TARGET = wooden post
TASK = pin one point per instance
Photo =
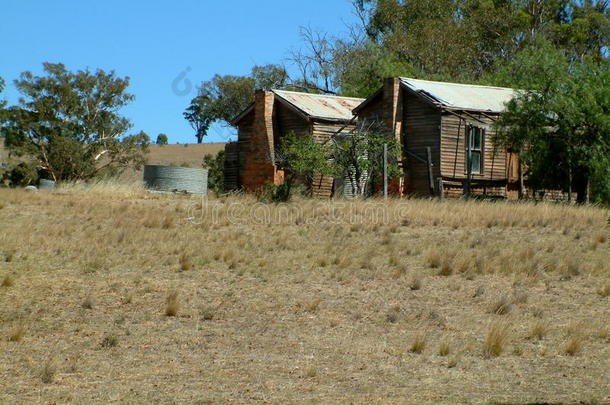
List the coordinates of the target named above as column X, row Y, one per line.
column 429, row 162
column 569, row 182
column 441, row 189
column 468, row 164
column 521, row 184
column 385, row 171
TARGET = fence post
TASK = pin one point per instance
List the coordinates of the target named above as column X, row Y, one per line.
column 385, row 171
column 441, row 188
column 430, row 164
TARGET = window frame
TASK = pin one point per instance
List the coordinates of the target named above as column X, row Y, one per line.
column 469, row 147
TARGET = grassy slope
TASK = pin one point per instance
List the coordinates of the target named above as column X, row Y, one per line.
column 190, row 155
column 298, row 303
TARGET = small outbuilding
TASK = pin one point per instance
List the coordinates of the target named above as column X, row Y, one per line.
column 250, row 162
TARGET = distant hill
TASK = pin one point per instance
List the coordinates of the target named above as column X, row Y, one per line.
column 188, row 154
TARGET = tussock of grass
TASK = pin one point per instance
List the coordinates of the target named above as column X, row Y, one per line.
column 419, row 343
column 7, row 281
column 501, row 306
column 172, row 305
column 433, row 258
column 208, row 313
column 393, row 314
column 496, row 338
column 604, row 291
column 186, row 263
column 88, row 302
column 109, row 341
column 47, row 373
column 480, row 290
column 310, row 372
column 415, row 284
column 446, row 267
column 9, row 257
column 444, row 348
column 600, row 238
column 16, row 334
column 538, row 330
column 573, row 345
column 311, row 305
column 168, row 222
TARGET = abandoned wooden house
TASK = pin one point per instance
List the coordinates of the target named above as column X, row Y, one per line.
column 250, row 162
column 446, row 133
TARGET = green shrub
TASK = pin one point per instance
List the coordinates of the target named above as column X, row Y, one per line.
column 23, row 174
column 216, row 171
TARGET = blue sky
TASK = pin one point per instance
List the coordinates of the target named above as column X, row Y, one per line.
column 153, row 42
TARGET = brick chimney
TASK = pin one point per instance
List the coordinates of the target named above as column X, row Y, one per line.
column 259, row 167
column 392, row 106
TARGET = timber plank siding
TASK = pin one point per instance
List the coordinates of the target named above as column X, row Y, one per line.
column 421, row 129
column 453, row 150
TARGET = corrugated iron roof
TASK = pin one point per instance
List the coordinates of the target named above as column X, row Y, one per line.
column 321, row 106
column 463, row 96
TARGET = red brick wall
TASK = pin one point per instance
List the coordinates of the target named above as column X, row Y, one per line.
column 258, row 166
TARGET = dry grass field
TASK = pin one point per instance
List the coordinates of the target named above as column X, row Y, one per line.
column 112, row 295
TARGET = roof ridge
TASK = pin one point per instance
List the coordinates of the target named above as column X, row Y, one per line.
column 460, row 84
column 315, row 94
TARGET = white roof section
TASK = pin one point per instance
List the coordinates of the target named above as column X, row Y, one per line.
column 321, row 106
column 462, row 96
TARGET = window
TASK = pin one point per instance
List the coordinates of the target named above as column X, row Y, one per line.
column 474, row 149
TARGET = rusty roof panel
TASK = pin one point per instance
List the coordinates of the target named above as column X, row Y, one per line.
column 321, row 106
column 463, row 96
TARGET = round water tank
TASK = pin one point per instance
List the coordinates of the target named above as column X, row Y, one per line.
column 46, row 184
column 176, row 179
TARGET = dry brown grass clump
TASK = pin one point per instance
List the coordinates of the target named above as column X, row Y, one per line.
column 16, row 334
column 88, row 302
column 47, row 373
column 109, row 341
column 310, row 372
column 604, row 291
column 444, row 348
column 573, row 345
column 415, row 284
column 538, row 330
column 172, row 305
column 311, row 305
column 433, row 258
column 496, row 338
column 393, row 314
column 501, row 306
column 446, row 267
column 186, row 262
column 419, row 343
column 8, row 281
